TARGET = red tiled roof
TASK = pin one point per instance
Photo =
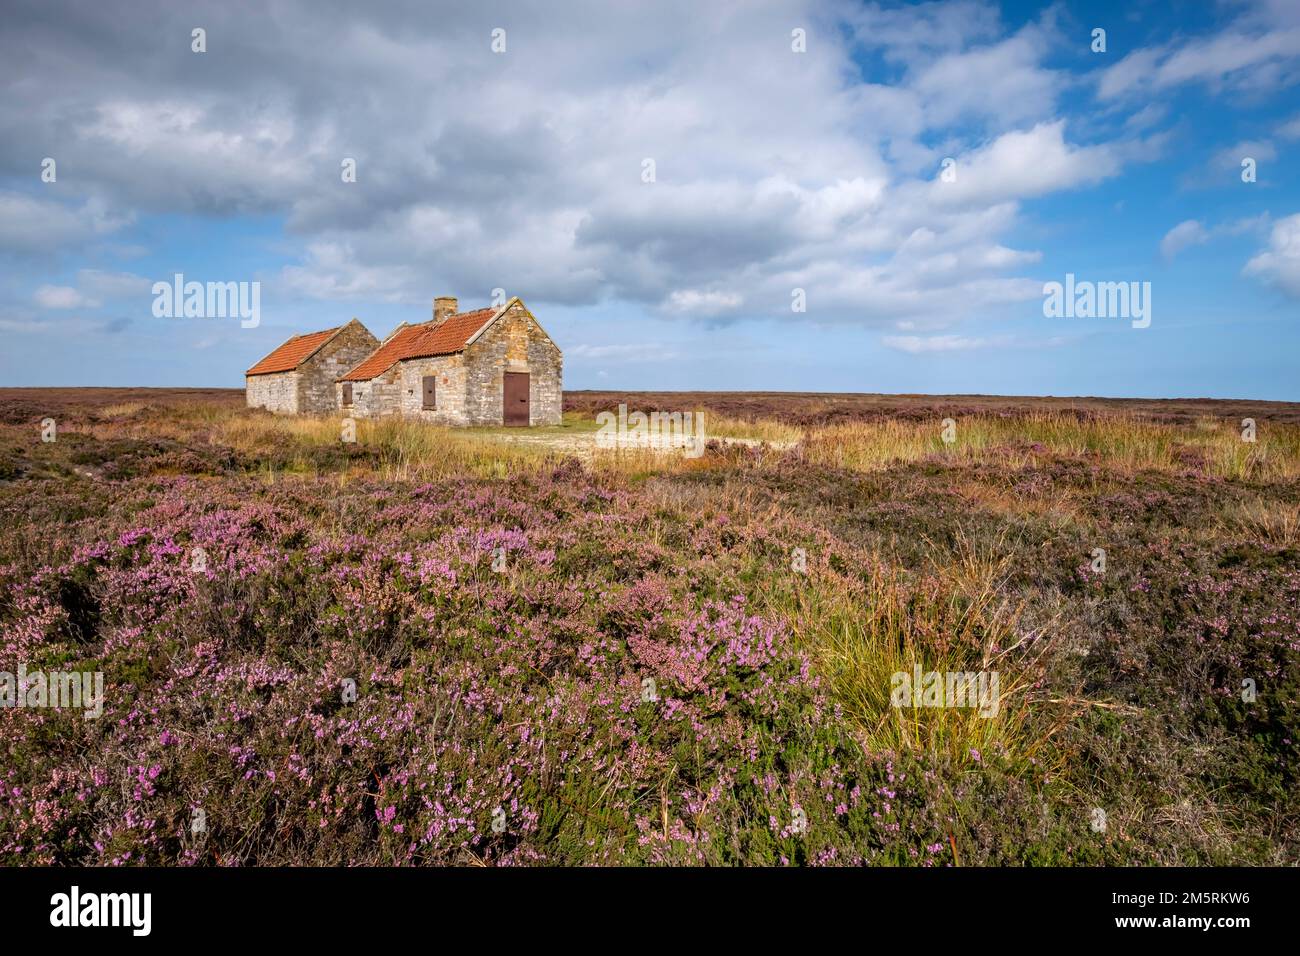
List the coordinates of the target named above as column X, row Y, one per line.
column 421, row 341
column 292, row 353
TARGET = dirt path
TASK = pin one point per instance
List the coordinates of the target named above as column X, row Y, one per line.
column 583, row 444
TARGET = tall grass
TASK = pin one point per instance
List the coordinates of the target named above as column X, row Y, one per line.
column 404, row 448
column 954, row 618
column 758, row 430
column 397, row 448
column 1274, row 522
column 121, row 410
column 1213, row 446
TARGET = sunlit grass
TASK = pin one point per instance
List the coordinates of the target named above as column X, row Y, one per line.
column 1211, row 445
column 955, row 617
column 1274, row 522
column 395, row 447
column 715, row 425
column 761, row 430
column 121, row 410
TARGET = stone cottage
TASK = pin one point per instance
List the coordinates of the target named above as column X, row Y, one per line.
column 494, row 366
column 299, row 377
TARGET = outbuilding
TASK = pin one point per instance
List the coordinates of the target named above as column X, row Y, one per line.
column 299, row 377
column 492, row 366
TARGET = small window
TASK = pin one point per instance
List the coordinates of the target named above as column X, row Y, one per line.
column 347, row 393
column 430, row 392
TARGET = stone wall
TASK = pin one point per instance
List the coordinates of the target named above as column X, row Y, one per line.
column 546, row 362
column 276, row 392
column 470, row 384
column 372, row 399
column 449, row 393
column 317, row 391
column 514, row 343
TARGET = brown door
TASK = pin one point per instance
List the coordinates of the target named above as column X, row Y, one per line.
column 516, row 398
column 430, row 383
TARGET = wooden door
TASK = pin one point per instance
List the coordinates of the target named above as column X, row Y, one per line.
column 515, row 400
column 430, row 401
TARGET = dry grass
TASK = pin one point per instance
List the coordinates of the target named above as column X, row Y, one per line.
column 957, row 620
column 1275, row 523
column 1213, row 446
column 761, row 429
column 999, row 495
column 408, row 448
column 402, row 449
column 121, row 409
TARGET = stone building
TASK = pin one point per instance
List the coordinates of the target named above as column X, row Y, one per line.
column 299, row 377
column 494, row 366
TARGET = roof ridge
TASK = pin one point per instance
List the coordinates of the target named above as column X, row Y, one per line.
column 333, row 333
column 283, row 359
column 426, row 340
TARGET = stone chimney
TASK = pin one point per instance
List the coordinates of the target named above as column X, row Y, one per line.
column 443, row 307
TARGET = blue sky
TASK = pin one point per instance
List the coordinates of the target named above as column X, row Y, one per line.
column 774, row 170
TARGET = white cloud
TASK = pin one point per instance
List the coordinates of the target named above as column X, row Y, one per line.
column 1224, row 167
column 1260, row 150
column 703, row 302
column 1150, row 115
column 909, row 34
column 1002, row 82
column 1279, row 264
column 35, row 225
column 774, row 170
column 113, row 286
column 62, row 297
column 1192, row 232
column 1022, row 164
column 917, row 344
column 1246, row 224
column 1234, row 58
column 1188, row 233
column 1290, row 129
column 94, row 287
column 624, row 352
column 333, row 271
